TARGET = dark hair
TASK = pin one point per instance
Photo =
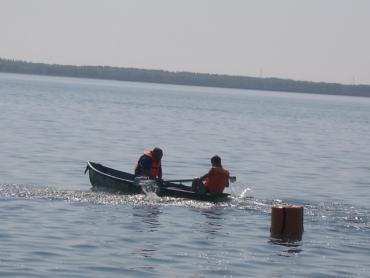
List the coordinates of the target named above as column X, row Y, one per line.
column 216, row 159
column 157, row 154
column 157, row 150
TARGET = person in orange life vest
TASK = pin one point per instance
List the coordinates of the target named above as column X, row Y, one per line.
column 149, row 164
column 215, row 180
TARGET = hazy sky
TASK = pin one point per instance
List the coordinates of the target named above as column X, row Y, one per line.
column 318, row 40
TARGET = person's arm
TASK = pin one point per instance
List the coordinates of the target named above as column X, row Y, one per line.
column 146, row 164
column 228, row 178
column 160, row 172
column 202, row 178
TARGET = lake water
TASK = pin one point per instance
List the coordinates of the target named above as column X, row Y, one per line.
column 310, row 150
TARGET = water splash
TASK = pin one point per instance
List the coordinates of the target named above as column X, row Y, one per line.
column 96, row 196
column 148, row 186
column 245, row 193
column 344, row 215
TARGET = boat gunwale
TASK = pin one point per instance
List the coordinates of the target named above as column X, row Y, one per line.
column 105, row 174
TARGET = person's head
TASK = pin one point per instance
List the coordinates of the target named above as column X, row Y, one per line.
column 157, row 154
column 216, row 160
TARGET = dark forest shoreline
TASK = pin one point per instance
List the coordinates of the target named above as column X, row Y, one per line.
column 183, row 78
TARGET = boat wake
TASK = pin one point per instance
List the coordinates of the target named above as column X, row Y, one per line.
column 344, row 215
column 105, row 197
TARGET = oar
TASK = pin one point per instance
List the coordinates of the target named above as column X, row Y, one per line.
column 183, row 180
column 171, row 183
column 231, row 178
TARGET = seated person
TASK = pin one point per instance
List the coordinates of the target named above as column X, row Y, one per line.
column 215, row 180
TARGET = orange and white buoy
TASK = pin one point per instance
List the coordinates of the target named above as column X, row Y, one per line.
column 287, row 222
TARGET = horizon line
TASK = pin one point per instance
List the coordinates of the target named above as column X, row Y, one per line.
column 180, row 71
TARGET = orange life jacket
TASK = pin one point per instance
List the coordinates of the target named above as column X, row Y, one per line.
column 155, row 166
column 217, row 180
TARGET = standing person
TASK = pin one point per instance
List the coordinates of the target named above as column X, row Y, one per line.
column 149, row 164
column 215, row 180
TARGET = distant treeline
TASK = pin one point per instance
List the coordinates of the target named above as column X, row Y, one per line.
column 184, row 78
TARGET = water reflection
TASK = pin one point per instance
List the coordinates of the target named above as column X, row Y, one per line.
column 148, row 217
column 293, row 246
column 290, row 252
column 213, row 223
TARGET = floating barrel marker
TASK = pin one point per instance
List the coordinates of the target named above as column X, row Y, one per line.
column 287, row 222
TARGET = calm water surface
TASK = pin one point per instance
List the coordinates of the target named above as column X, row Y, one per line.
column 304, row 149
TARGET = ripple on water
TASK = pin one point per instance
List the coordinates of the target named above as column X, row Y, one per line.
column 348, row 216
column 205, row 243
column 96, row 197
